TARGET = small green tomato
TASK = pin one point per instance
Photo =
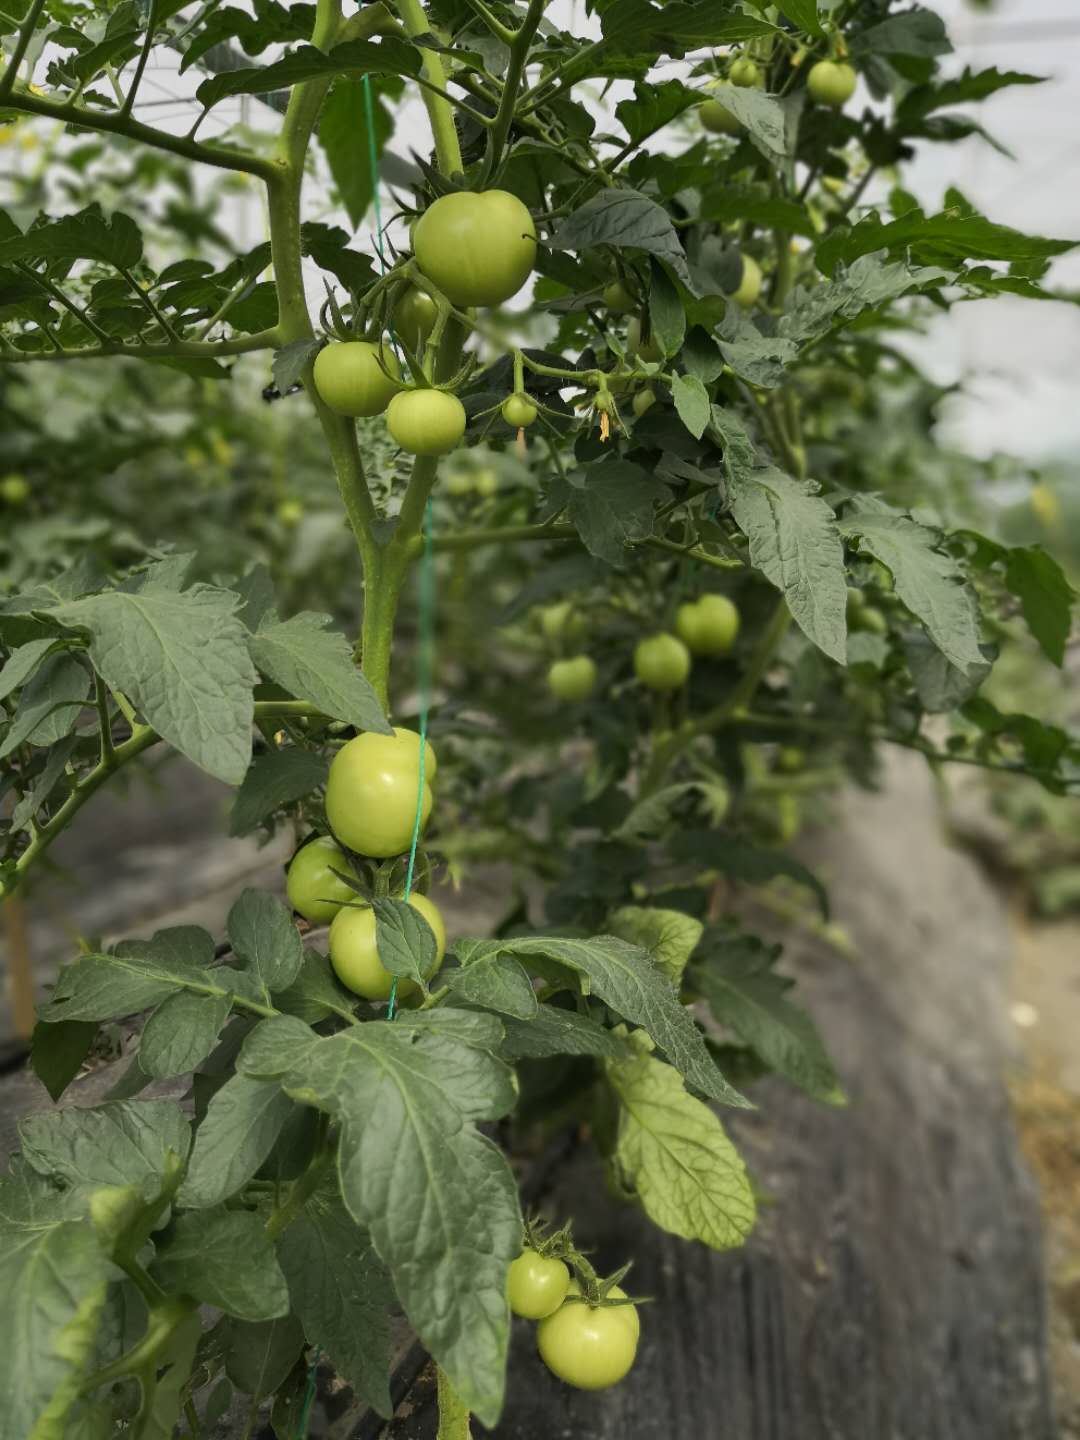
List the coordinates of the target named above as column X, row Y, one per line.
column 573, row 680
column 518, row 411
column 661, row 662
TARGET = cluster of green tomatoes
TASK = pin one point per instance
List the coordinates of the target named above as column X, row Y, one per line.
column 705, row 627
column 587, row 1329
column 828, row 82
column 374, row 803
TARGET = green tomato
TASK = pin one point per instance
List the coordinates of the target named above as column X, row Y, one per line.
column 831, row 82
column 647, row 350
column 426, row 422
column 708, row 626
column 518, row 411
column 870, row 618
column 486, row 481
column 588, row 1346
column 414, row 317
column 718, row 119
column 749, row 287
column 561, row 621
column 354, row 953
column 349, row 380
column 661, row 662
column 477, row 249
column 459, row 482
column 746, row 73
column 573, row 679
column 790, row 759
column 15, row 489
column 313, row 889
column 644, row 400
column 536, row 1284
column 855, row 601
column 372, row 791
column 617, row 298
column 290, row 513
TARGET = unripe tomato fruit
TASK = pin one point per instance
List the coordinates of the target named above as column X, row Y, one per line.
column 831, row 82
column 790, row 759
column 870, row 618
column 561, row 621
column 536, row 1284
column 290, row 513
column 708, row 626
column 647, row 350
column 459, row 482
column 354, row 953
column 572, row 679
column 15, row 489
column 486, row 481
column 348, row 378
column 426, row 422
column 718, row 119
column 414, row 317
column 313, row 890
column 477, row 249
column 588, row 1346
column 661, row 662
column 749, row 287
column 617, row 298
column 518, row 411
column 372, row 790
column 643, row 400
column 745, row 73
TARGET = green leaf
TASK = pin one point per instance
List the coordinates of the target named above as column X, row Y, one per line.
column 58, row 1051
column 970, row 85
column 939, row 685
column 164, row 1387
column 754, row 203
column 55, row 1278
column 627, row 978
column 405, row 941
column 241, row 1124
column 138, row 974
column 265, row 940
column 416, row 1173
column 315, row 663
column 181, row 1032
column 125, row 1142
column 49, row 705
column 316, row 992
column 737, row 857
column 653, row 107
column 692, row 403
column 343, row 134
column 342, row 1293
column 669, row 936
column 930, row 583
column 495, row 982
column 804, row 14
column 915, row 32
column 22, row 663
column 746, row 994
column 764, row 118
column 637, row 27
column 625, row 220
column 274, row 1047
column 672, row 1153
column 760, row 359
column 45, row 782
column 867, row 284
column 1037, row 581
column 795, row 543
column 287, row 368
column 223, row 1258
column 276, row 779
column 182, row 661
column 559, row 1032
column 614, row 508
column 259, row 1354
column 951, row 234
column 354, row 57
column 651, row 816
column 667, row 317
column 88, row 235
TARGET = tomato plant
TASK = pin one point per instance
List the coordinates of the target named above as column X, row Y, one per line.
column 333, row 487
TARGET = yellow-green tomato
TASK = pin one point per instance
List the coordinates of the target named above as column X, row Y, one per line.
column 349, row 379
column 536, row 1284
column 718, row 119
column 561, row 621
column 313, row 888
column 426, row 422
column 372, row 791
column 661, row 662
column 290, row 513
column 617, row 298
column 831, row 82
column 573, row 679
column 518, row 411
column 354, row 953
column 643, row 400
column 414, row 317
column 749, row 287
column 477, row 249
column 745, row 73
column 14, row 489
column 647, row 350
column 714, row 627
column 589, row 1346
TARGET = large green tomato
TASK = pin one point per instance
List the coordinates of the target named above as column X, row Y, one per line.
column 749, row 287
column 536, row 1284
column 426, row 422
column 647, row 350
column 477, row 249
column 518, row 411
column 354, row 953
column 372, row 790
column 314, row 891
column 414, row 317
column 718, row 119
column 349, row 380
column 661, row 662
column 591, row 1347
column 831, row 82
column 708, row 626
column 572, row 679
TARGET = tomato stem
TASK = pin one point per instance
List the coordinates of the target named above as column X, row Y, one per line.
column 453, row 1414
